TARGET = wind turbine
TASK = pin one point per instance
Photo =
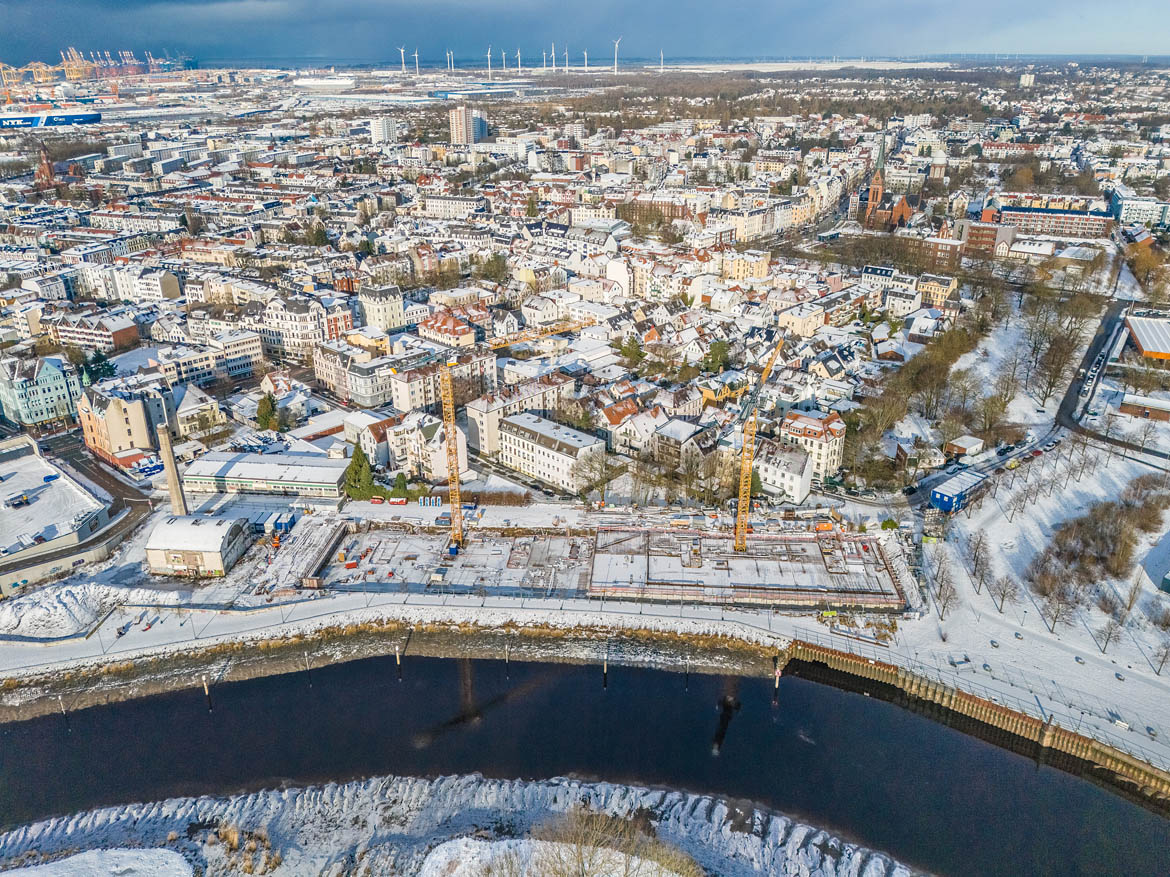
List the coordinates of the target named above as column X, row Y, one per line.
column 518, row 67
column 402, row 51
column 616, row 43
column 586, row 60
column 566, row 59
column 489, row 57
column 543, row 59
column 504, row 58
column 416, row 62
column 660, row 61
column 553, row 54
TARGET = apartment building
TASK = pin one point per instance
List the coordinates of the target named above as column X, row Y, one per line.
column 883, row 277
column 1059, row 222
column 227, row 355
column 819, row 433
column 802, row 320
column 92, row 330
column 119, row 417
column 451, row 206
column 461, row 122
column 383, row 130
column 785, row 471
column 936, row 289
column 545, row 450
column 415, row 442
column 447, row 329
column 381, row 307
column 484, row 415
column 289, row 328
column 473, row 372
column 39, row 393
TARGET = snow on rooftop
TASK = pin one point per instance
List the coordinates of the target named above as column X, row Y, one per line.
column 52, row 507
column 1151, row 333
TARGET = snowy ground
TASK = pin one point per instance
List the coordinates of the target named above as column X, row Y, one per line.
column 419, row 827
column 1116, row 696
column 987, row 360
column 114, row 863
column 472, row 857
column 1106, row 399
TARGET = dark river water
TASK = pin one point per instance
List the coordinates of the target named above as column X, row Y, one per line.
column 868, row 770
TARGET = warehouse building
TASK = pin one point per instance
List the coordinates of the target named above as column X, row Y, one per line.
column 1151, row 335
column 311, row 476
column 197, row 546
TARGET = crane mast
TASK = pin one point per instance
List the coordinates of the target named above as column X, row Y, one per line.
column 743, row 511
column 447, row 393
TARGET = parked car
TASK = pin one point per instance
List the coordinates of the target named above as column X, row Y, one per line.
column 909, row 489
column 1037, row 453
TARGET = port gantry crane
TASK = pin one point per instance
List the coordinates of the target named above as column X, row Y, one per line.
column 743, row 510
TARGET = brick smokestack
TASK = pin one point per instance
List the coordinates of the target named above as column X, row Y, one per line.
column 167, row 451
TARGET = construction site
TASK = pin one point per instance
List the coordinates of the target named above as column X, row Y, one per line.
column 797, row 569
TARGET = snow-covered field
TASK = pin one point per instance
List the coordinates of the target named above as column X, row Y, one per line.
column 1117, row 694
column 412, row 826
column 987, row 362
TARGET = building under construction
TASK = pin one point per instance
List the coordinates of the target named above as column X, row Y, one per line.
column 797, row 569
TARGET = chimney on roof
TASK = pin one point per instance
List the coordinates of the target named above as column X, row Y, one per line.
column 167, row 451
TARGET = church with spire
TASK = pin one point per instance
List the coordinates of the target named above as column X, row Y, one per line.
column 874, row 207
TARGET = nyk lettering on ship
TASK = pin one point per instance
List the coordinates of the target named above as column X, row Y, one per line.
column 49, row 120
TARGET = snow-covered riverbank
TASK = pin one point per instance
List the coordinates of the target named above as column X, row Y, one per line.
column 393, row 825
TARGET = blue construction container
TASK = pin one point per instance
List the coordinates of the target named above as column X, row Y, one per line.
column 956, row 492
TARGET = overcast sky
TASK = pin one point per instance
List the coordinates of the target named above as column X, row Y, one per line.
column 369, row 30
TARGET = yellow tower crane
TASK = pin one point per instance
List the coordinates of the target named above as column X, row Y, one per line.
column 744, row 509
column 447, row 393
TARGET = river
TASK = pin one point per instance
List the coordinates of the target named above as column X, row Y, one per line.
column 865, row 769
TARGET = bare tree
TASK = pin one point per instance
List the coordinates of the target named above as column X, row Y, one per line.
column 944, row 586
column 1109, row 423
column 1109, row 633
column 1017, row 503
column 1134, row 592
column 587, row 844
column 1054, row 365
column 977, row 547
column 1162, row 655
column 1058, row 607
column 1145, row 434
column 1004, row 590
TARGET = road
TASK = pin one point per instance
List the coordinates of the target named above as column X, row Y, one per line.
column 69, row 448
column 1066, row 414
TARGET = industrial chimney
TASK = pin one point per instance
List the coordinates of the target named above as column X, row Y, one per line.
column 167, row 451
